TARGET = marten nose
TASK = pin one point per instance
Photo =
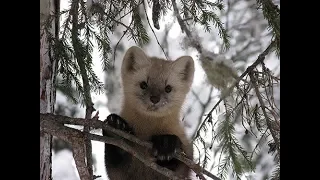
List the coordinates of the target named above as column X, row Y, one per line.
column 154, row 99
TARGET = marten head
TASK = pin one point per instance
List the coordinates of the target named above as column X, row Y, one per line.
column 156, row 87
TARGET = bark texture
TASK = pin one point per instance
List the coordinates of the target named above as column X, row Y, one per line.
column 47, row 90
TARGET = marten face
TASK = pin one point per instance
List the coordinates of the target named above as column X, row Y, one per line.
column 155, row 86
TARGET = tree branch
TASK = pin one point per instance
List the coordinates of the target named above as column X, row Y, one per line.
column 74, row 137
column 86, row 86
column 77, row 138
column 97, row 124
column 184, row 28
column 268, row 120
column 260, row 59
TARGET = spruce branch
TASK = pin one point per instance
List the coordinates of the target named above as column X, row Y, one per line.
column 268, row 120
column 276, row 173
column 231, row 148
column 256, row 146
column 59, row 120
column 205, row 17
column 86, row 85
column 260, row 59
column 140, row 35
column 272, row 13
column 225, row 134
column 184, row 27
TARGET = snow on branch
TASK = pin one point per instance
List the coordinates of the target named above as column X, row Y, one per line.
column 54, row 125
column 227, row 92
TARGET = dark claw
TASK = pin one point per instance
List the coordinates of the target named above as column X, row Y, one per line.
column 118, row 122
column 115, row 156
column 164, row 146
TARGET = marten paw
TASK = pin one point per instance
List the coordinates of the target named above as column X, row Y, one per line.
column 118, row 122
column 164, row 146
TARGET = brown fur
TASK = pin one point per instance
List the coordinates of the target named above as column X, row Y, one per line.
column 147, row 119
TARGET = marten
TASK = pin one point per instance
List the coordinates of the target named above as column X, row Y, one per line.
column 154, row 90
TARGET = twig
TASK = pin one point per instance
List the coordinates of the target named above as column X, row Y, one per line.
column 124, row 25
column 184, row 28
column 137, row 5
column 145, row 11
column 97, row 124
column 263, row 107
column 115, row 49
column 197, row 97
column 254, row 149
column 203, row 104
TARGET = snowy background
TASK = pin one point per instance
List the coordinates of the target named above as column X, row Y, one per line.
column 247, row 26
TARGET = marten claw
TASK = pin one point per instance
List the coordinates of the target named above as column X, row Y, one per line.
column 118, row 122
column 164, row 146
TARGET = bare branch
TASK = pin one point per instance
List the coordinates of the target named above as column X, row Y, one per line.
column 115, row 48
column 204, row 106
column 75, row 138
column 197, row 97
column 97, row 124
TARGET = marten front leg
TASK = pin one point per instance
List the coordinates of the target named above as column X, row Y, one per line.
column 164, row 147
column 115, row 156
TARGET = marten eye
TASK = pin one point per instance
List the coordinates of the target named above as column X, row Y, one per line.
column 168, row 89
column 143, row 85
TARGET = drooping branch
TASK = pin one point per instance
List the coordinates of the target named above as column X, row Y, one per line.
column 268, row 120
column 97, row 124
column 260, row 59
column 86, row 85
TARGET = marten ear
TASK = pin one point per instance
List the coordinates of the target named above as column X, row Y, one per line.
column 184, row 66
column 134, row 59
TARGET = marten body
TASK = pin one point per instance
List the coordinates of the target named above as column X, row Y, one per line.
column 154, row 91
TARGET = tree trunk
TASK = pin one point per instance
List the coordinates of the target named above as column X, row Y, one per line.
column 47, row 79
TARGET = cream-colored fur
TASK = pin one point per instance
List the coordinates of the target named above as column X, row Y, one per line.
column 146, row 118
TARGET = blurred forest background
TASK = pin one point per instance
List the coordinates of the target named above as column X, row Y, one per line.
column 233, row 141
